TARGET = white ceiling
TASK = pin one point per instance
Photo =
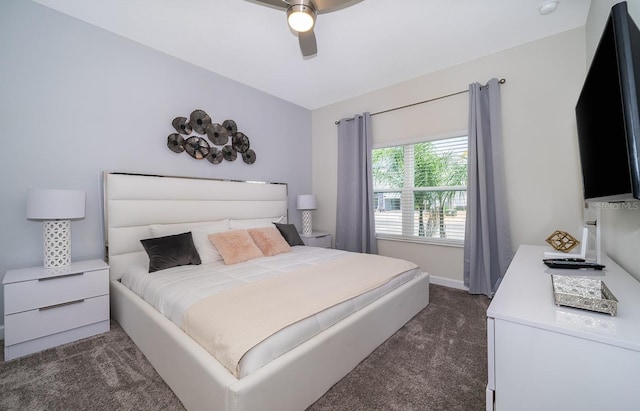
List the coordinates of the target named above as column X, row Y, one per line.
column 361, row 48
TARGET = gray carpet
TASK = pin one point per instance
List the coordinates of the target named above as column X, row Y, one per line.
column 435, row 362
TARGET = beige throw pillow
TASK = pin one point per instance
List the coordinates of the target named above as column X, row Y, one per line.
column 235, row 246
column 269, row 240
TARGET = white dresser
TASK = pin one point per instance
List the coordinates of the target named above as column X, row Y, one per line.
column 547, row 357
column 44, row 308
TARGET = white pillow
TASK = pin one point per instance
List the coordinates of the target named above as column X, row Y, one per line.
column 200, row 232
column 256, row 222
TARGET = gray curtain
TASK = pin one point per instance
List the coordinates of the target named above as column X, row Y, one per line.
column 487, row 245
column 355, row 229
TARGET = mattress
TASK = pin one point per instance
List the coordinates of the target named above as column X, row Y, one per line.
column 174, row 290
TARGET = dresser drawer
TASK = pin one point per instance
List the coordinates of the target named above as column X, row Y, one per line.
column 47, row 291
column 37, row 323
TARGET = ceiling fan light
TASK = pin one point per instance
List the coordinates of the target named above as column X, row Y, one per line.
column 301, row 17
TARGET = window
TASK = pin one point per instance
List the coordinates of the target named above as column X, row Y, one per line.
column 420, row 191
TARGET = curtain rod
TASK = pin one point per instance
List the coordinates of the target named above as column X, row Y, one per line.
column 501, row 81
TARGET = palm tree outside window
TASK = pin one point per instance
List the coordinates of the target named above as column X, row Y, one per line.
column 420, row 190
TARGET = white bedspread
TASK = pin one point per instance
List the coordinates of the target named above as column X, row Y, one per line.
column 174, row 290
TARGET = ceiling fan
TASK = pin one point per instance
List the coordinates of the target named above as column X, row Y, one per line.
column 301, row 16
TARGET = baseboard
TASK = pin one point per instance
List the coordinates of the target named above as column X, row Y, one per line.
column 447, row 282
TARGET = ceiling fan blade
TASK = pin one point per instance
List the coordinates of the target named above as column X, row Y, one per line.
column 323, row 6
column 275, row 3
column 308, row 44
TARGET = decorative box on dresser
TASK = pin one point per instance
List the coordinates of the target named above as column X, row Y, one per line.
column 44, row 307
column 547, row 357
column 317, row 239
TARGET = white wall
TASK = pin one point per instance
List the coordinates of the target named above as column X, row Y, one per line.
column 620, row 226
column 543, row 181
column 76, row 100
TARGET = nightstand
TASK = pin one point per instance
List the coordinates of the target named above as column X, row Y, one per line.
column 317, row 239
column 46, row 307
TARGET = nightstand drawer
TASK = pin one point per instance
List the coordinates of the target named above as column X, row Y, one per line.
column 37, row 323
column 47, row 291
column 317, row 240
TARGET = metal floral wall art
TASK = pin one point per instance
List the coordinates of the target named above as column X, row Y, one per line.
column 231, row 142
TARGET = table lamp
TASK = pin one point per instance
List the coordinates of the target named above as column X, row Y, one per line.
column 306, row 203
column 56, row 208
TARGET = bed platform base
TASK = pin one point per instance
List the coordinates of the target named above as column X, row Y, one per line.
column 291, row 382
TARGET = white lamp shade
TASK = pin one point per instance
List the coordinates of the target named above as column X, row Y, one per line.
column 307, row 202
column 48, row 204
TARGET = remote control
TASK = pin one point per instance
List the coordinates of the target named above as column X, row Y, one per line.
column 572, row 263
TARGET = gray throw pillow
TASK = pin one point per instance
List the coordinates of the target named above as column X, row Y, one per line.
column 289, row 233
column 171, row 251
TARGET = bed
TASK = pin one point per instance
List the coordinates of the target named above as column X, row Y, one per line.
column 295, row 378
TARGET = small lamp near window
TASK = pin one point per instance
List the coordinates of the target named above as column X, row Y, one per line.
column 306, row 203
column 56, row 208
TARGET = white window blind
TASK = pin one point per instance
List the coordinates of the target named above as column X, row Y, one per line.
column 420, row 190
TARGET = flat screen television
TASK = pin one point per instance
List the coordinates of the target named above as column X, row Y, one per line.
column 607, row 115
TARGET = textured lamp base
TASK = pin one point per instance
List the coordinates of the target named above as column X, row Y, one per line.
column 57, row 243
column 306, row 222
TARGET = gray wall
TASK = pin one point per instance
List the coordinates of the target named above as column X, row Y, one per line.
column 76, row 100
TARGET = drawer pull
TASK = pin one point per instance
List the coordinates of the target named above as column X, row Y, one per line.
column 59, row 276
column 49, row 307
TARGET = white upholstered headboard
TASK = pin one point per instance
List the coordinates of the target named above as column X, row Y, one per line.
column 132, row 202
